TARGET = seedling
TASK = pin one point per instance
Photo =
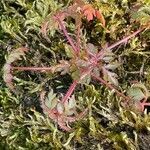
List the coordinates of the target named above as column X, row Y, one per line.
column 86, row 62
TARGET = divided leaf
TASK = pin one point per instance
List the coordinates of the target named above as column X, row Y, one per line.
column 108, row 56
column 142, row 15
column 7, row 76
column 91, row 49
column 136, row 94
column 13, row 56
column 70, row 106
column 89, row 12
column 112, row 66
column 51, row 100
column 16, row 54
column 60, row 108
column 110, row 76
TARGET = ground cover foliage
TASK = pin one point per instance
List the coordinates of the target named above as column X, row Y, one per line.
column 116, row 104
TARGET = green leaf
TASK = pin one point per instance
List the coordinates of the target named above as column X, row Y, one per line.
column 112, row 66
column 142, row 15
column 111, row 77
column 75, row 74
column 108, row 58
column 86, row 79
column 136, row 94
column 143, row 88
column 71, row 103
column 51, row 100
column 60, row 108
column 69, row 51
column 70, row 106
column 16, row 54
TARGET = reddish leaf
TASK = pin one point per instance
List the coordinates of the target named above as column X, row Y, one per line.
column 13, row 56
column 89, row 12
column 100, row 17
column 7, row 77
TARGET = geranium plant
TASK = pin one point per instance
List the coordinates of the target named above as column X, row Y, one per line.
column 85, row 62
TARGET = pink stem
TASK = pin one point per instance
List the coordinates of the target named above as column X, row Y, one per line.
column 74, row 84
column 143, row 104
column 70, row 91
column 66, row 34
column 146, row 104
column 121, row 41
column 111, row 87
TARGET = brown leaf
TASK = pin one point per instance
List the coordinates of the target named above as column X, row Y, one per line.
column 89, row 12
column 100, row 17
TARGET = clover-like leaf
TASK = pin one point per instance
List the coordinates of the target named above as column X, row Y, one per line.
column 89, row 12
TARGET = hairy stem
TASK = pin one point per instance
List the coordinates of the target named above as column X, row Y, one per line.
column 74, row 84
column 67, row 35
column 111, row 87
column 70, row 91
column 124, row 40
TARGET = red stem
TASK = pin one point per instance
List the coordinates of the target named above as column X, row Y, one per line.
column 122, row 41
column 67, row 36
column 74, row 84
column 111, row 87
column 70, row 91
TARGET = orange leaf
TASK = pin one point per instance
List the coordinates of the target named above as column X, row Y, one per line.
column 89, row 12
column 100, row 17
